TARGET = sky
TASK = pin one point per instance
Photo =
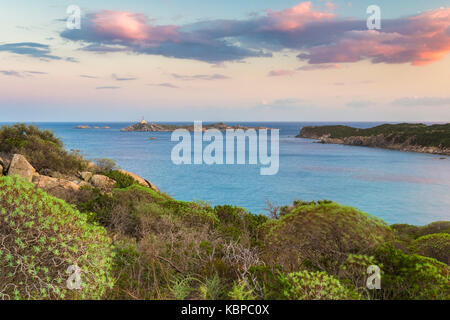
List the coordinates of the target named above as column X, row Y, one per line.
column 185, row 60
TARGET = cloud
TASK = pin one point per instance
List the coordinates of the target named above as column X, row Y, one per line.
column 280, row 73
column 318, row 36
column 107, row 87
column 165, row 84
column 207, row 77
column 422, row 101
column 21, row 74
column 88, row 76
column 32, row 49
column 319, row 67
column 117, row 78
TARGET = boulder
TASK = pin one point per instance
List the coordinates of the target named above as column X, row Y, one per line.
column 102, row 182
column 1, row 170
column 86, row 175
column 59, row 188
column 140, row 180
column 20, row 166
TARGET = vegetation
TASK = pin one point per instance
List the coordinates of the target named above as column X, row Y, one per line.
column 136, row 243
column 40, row 238
column 41, row 148
column 437, row 135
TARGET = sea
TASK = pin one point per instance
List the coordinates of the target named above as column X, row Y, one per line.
column 399, row 187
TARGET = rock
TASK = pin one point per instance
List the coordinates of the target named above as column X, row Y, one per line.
column 102, row 182
column 1, row 170
column 86, row 175
column 140, row 180
column 59, row 188
column 83, row 127
column 82, row 183
column 20, row 166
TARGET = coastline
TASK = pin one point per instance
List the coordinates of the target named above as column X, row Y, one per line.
column 417, row 138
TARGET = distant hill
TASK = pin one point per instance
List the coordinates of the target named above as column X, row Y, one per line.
column 415, row 137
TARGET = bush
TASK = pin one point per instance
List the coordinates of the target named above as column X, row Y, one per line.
column 305, row 285
column 40, row 237
column 122, row 180
column 105, row 165
column 435, row 246
column 320, row 236
column 410, row 276
column 41, row 148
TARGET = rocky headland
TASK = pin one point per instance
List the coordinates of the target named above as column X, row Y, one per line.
column 433, row 139
column 159, row 127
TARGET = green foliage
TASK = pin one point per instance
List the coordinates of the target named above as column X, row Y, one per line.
column 435, row 246
column 410, row 276
column 437, row 135
column 41, row 148
column 306, row 285
column 319, row 236
column 240, row 291
column 40, row 237
column 406, row 231
column 211, row 289
column 122, row 180
column 182, row 288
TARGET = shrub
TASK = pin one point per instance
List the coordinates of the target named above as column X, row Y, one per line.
column 122, row 180
column 41, row 148
column 435, row 246
column 319, row 236
column 305, row 285
column 41, row 236
column 105, row 165
column 410, row 276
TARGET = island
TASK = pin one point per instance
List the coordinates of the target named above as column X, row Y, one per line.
column 415, row 137
column 89, row 127
column 144, row 126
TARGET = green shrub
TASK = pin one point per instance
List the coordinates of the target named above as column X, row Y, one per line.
column 240, row 291
column 41, row 148
column 122, row 180
column 410, row 276
column 435, row 246
column 320, row 236
column 305, row 285
column 40, row 237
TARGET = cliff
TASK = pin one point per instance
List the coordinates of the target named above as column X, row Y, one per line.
column 404, row 137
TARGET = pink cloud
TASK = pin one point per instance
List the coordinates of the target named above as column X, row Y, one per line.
column 128, row 26
column 418, row 40
column 295, row 17
column 319, row 37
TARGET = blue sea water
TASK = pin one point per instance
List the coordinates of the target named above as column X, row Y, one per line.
column 399, row 187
